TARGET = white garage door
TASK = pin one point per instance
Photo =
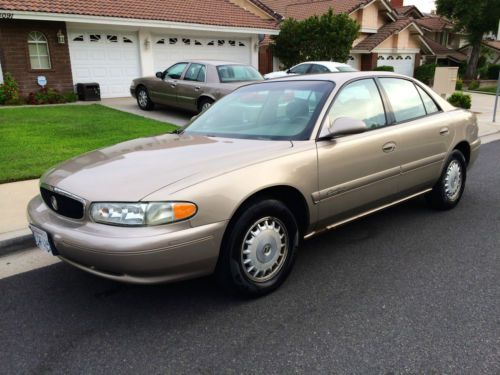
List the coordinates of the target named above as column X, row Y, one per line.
column 108, row 58
column 402, row 63
column 168, row 50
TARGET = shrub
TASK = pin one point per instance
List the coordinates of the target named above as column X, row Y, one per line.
column 493, row 72
column 473, row 85
column 385, row 68
column 460, row 100
column 459, row 85
column 425, row 73
column 9, row 90
column 50, row 96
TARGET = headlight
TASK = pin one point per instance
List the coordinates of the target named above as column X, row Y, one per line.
column 142, row 214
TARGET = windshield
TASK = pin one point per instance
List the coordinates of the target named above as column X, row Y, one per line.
column 285, row 110
column 238, row 73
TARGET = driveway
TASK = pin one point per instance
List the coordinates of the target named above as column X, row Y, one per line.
column 160, row 113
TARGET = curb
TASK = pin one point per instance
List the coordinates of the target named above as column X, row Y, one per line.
column 18, row 240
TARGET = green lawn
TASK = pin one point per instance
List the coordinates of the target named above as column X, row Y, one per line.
column 32, row 139
column 491, row 89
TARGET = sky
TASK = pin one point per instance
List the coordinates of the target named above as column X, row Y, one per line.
column 423, row 5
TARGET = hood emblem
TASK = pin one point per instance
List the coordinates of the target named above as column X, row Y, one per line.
column 53, row 202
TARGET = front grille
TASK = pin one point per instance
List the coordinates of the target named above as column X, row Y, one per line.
column 62, row 204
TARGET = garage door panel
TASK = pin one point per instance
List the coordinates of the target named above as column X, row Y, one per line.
column 169, row 49
column 402, row 63
column 110, row 59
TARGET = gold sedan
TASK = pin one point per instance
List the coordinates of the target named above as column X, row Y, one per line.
column 267, row 166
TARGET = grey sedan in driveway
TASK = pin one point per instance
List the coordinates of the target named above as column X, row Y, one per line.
column 192, row 85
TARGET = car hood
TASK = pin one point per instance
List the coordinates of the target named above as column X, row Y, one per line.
column 132, row 170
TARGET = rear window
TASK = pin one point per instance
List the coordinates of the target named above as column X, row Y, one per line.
column 238, row 73
column 404, row 97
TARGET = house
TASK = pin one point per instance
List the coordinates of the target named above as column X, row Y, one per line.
column 385, row 38
column 391, row 33
column 439, row 35
column 112, row 42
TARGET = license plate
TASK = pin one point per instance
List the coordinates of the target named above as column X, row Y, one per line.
column 42, row 239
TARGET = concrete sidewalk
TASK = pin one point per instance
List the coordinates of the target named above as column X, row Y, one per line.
column 14, row 197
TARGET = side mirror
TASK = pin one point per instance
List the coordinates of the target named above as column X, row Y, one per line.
column 159, row 75
column 342, row 126
column 288, row 71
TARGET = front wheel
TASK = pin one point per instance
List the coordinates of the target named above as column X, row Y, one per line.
column 447, row 192
column 259, row 249
column 143, row 100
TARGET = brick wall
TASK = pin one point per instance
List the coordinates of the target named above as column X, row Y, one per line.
column 15, row 58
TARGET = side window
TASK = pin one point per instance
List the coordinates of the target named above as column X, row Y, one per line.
column 360, row 100
column 175, row 71
column 195, row 72
column 319, row 69
column 430, row 105
column 300, row 69
column 404, row 98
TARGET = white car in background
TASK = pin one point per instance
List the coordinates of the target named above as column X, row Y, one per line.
column 312, row 67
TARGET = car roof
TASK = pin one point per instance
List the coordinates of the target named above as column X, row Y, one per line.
column 214, row 62
column 338, row 77
column 327, row 63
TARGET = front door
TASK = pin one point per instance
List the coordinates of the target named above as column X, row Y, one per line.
column 361, row 171
column 164, row 91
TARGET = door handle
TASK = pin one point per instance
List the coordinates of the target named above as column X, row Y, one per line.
column 173, row 85
column 389, row 147
column 196, row 88
column 444, row 131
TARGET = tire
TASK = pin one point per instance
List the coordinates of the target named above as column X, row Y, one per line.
column 204, row 104
column 252, row 263
column 143, row 100
column 447, row 192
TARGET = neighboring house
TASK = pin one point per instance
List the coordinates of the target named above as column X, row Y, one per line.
column 112, row 42
column 386, row 37
column 490, row 50
column 391, row 33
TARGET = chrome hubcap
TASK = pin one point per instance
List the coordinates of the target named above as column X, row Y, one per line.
column 264, row 249
column 453, row 180
column 143, row 98
column 205, row 106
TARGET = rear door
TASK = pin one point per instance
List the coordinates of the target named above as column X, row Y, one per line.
column 425, row 136
column 191, row 86
column 360, row 171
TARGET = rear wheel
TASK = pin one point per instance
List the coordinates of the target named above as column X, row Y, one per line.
column 447, row 192
column 204, row 104
column 259, row 249
column 143, row 100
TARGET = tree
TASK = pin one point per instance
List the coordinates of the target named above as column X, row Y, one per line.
column 476, row 18
column 327, row 37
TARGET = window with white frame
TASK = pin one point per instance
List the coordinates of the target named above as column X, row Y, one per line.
column 38, row 48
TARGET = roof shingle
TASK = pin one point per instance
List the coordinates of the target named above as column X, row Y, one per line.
column 207, row 12
column 440, row 50
column 434, row 23
column 382, row 34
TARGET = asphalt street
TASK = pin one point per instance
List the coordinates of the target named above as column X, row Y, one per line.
column 407, row 290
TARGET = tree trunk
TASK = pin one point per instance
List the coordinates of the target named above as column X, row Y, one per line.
column 470, row 73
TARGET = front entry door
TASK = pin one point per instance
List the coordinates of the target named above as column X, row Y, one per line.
column 361, row 171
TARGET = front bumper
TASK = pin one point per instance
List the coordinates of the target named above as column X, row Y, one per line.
column 132, row 91
column 142, row 255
